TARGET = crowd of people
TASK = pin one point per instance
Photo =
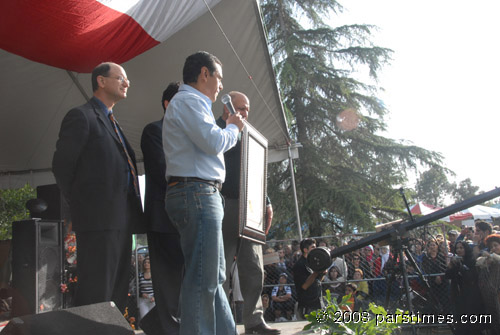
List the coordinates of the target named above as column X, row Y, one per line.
column 462, row 272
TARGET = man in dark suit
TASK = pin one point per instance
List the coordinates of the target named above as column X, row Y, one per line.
column 95, row 169
column 165, row 252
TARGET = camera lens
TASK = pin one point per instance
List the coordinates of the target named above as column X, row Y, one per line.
column 319, row 259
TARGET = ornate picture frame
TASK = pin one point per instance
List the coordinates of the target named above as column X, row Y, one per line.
column 253, row 185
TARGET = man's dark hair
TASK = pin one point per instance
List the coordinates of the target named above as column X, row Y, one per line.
column 100, row 70
column 484, row 226
column 194, row 63
column 169, row 92
column 306, row 243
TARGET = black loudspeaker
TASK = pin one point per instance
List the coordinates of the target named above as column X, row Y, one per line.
column 37, row 266
column 57, row 207
column 100, row 319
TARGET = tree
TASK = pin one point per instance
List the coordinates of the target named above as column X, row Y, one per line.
column 347, row 173
column 464, row 190
column 13, row 208
column 433, row 186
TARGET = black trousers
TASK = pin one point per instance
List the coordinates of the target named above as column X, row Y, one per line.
column 167, row 270
column 103, row 267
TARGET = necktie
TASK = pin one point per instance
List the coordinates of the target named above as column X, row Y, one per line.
column 133, row 172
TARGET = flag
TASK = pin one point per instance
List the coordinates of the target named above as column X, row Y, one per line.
column 78, row 35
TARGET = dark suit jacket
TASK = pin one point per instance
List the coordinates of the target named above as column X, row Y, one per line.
column 232, row 160
column 156, row 186
column 92, row 172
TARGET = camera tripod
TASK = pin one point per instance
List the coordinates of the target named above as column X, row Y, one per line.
column 398, row 271
column 399, row 244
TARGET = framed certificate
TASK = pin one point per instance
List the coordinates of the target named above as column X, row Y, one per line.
column 253, row 185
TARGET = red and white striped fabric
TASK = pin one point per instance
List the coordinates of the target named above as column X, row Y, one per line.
column 423, row 209
column 78, row 35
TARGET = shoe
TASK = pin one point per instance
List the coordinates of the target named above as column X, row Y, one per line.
column 262, row 329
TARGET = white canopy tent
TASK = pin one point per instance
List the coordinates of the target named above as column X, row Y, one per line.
column 35, row 97
column 477, row 212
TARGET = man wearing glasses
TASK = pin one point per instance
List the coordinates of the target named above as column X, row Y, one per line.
column 95, row 169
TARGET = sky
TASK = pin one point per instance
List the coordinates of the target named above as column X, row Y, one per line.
column 442, row 85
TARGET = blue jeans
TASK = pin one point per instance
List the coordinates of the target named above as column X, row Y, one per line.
column 196, row 209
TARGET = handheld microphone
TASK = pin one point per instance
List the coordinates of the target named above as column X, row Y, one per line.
column 226, row 100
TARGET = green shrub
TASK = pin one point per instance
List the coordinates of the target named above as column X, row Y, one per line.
column 337, row 318
column 13, row 208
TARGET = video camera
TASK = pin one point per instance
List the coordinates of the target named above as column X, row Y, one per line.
column 320, row 259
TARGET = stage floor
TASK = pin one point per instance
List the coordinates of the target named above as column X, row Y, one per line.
column 287, row 328
column 295, row 328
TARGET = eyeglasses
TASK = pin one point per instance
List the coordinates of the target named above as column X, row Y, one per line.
column 120, row 79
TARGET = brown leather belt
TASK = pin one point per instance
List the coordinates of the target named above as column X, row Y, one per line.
column 174, row 180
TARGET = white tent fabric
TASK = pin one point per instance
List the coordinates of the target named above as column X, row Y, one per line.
column 160, row 18
column 475, row 212
column 35, row 97
column 482, row 212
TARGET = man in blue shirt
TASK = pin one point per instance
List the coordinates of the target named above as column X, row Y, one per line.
column 194, row 149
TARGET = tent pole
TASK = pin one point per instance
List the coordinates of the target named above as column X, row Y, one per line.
column 292, row 174
column 78, row 85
